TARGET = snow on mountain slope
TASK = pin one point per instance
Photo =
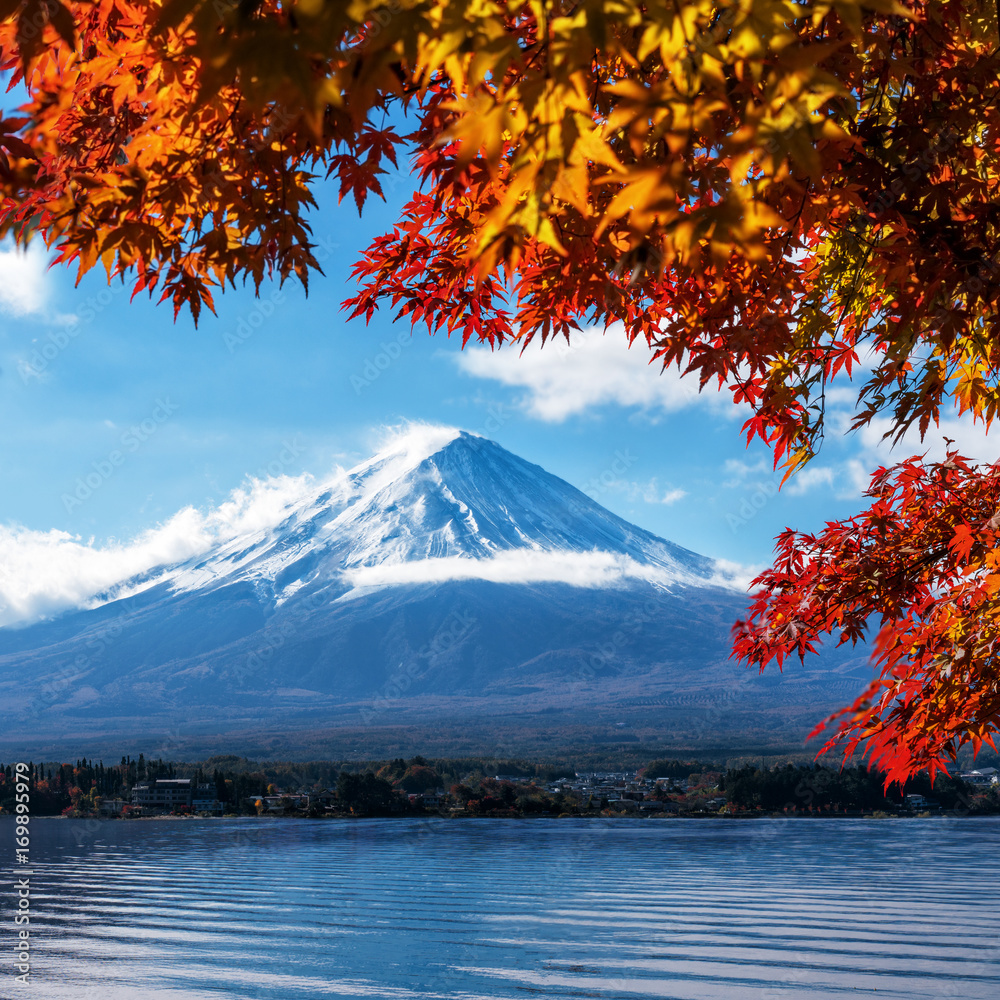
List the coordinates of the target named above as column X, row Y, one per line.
column 438, row 504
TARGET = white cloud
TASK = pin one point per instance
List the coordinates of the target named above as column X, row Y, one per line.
column 849, row 478
column 578, row 569
column 841, row 395
column 857, row 478
column 740, row 471
column 809, row 478
column 734, row 575
column 970, row 439
column 593, row 370
column 849, row 457
column 672, row 496
column 43, row 573
column 581, row 569
column 649, row 492
column 23, row 278
column 411, row 442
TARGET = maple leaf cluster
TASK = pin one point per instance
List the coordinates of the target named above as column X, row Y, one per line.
column 758, row 189
column 924, row 561
column 763, row 192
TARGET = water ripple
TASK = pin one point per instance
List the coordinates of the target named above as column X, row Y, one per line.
column 204, row 910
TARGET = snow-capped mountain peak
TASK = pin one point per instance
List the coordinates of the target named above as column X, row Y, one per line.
column 440, row 504
column 434, row 504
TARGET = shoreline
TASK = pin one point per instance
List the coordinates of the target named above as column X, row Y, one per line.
column 728, row 817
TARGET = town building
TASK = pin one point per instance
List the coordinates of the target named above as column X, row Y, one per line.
column 167, row 794
column 982, row 777
column 204, row 799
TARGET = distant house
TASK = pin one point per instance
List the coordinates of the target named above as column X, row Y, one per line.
column 429, row 800
column 982, row 777
column 167, row 794
column 623, row 805
column 285, row 803
column 671, row 783
column 203, row 799
column 322, row 800
column 112, row 807
column 922, row 802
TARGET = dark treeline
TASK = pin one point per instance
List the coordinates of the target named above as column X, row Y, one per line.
column 479, row 786
column 79, row 788
column 674, row 768
column 819, row 789
column 58, row 787
column 239, row 783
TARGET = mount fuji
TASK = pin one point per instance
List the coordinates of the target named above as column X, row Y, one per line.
column 444, row 594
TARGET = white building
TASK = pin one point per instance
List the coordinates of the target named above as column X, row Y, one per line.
column 983, row 777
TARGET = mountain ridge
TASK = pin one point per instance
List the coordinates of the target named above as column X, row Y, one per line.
column 355, row 518
column 339, row 611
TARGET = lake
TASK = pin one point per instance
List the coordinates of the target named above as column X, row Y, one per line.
column 685, row 909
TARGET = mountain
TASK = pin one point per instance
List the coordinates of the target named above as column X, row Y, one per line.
column 444, row 592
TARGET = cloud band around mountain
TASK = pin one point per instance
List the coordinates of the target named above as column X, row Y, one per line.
column 577, row 569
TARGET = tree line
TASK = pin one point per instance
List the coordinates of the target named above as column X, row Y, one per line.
column 823, row 790
column 485, row 787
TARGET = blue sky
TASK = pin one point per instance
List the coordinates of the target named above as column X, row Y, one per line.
column 283, row 385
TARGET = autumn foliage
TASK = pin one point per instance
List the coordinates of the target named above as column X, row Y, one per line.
column 924, row 561
column 764, row 193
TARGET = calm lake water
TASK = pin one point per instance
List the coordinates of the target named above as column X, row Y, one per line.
column 552, row 908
